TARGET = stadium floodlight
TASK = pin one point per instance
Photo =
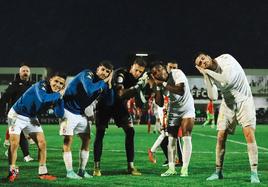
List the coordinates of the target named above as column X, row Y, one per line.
column 141, row 54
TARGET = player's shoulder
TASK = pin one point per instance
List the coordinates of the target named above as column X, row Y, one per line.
column 177, row 73
column 120, row 73
column 87, row 73
column 225, row 57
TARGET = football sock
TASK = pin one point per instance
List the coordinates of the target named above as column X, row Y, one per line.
column 171, row 152
column 83, row 158
column 68, row 160
column 157, row 142
column 253, row 156
column 186, row 150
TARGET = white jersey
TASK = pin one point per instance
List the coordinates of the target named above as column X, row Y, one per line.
column 233, row 82
column 180, row 104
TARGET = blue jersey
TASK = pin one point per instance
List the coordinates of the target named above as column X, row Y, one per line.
column 83, row 90
column 39, row 98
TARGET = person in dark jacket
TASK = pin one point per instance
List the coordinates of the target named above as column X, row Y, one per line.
column 14, row 90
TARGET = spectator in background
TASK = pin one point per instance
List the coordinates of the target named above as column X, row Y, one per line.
column 14, row 90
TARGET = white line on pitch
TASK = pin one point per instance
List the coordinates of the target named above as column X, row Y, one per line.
column 122, row 151
column 233, row 141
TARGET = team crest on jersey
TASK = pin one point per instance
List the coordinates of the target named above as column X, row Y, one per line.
column 120, row 79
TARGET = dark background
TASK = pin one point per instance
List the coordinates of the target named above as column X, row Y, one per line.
column 71, row 35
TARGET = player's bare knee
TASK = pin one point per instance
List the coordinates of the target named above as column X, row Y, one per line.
column 42, row 144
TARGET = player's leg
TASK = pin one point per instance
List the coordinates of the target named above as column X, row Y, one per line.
column 103, row 115
column 246, row 116
column 186, row 126
column 252, row 152
column 40, row 140
column 14, row 144
column 156, row 144
column 164, row 146
column 172, row 141
column 67, row 127
column 84, row 154
column 24, row 145
column 220, row 152
column 15, row 128
column 129, row 146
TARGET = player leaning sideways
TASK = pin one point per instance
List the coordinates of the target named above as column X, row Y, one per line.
column 23, row 117
column 82, row 91
column 237, row 106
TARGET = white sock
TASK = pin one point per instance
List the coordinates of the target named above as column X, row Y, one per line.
column 68, row 160
column 157, row 142
column 83, row 158
column 253, row 156
column 171, row 152
column 186, row 150
column 131, row 164
column 42, row 169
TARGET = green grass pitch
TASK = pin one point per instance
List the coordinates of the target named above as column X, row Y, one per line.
column 113, row 165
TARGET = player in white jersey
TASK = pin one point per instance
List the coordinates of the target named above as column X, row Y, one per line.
column 181, row 112
column 237, row 106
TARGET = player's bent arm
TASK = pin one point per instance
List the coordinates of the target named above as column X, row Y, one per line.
column 177, row 89
column 59, row 109
column 126, row 93
column 90, row 87
column 220, row 77
column 43, row 96
column 211, row 88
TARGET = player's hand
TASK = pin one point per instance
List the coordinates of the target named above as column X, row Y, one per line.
column 143, row 80
column 35, row 122
column 108, row 80
column 62, row 92
column 201, row 70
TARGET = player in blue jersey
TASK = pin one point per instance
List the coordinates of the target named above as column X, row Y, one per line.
column 85, row 88
column 23, row 117
column 126, row 84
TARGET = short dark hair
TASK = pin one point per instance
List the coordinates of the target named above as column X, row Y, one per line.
column 172, row 62
column 106, row 63
column 58, row 73
column 140, row 61
column 156, row 63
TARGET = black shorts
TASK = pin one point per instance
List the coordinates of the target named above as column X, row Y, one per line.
column 173, row 130
column 118, row 113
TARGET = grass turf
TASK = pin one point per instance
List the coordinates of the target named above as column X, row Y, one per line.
column 113, row 165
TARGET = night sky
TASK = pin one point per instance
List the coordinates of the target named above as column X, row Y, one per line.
column 72, row 35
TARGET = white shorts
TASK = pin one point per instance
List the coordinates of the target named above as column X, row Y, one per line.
column 243, row 113
column 73, row 124
column 177, row 113
column 18, row 123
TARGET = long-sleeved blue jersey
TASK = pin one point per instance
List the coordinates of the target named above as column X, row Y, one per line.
column 83, row 90
column 39, row 98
